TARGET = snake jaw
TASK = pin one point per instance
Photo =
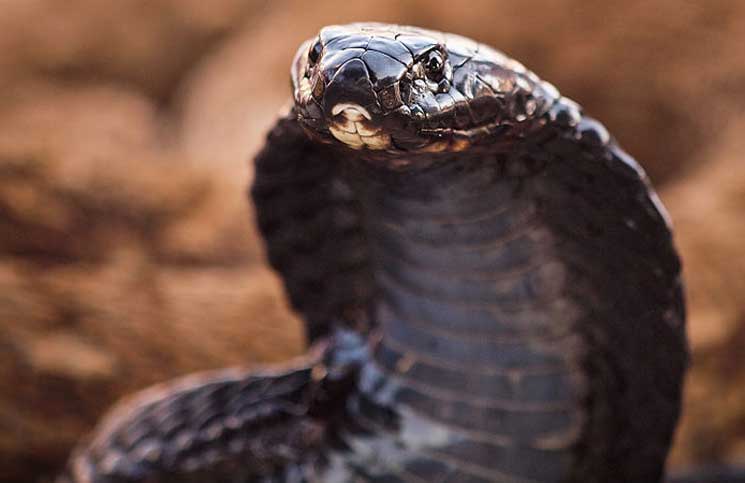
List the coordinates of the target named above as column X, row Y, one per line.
column 351, row 125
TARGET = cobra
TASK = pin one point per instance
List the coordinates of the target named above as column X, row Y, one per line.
column 488, row 280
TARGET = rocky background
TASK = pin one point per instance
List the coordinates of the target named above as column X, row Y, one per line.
column 128, row 253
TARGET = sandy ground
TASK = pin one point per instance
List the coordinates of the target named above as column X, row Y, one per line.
column 128, row 253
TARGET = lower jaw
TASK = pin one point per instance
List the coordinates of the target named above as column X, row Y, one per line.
column 355, row 140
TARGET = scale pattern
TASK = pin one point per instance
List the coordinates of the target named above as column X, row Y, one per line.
column 510, row 312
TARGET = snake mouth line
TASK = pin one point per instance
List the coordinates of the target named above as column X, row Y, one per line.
column 464, row 133
column 350, row 110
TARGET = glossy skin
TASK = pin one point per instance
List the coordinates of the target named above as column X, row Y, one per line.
column 489, row 280
column 403, row 89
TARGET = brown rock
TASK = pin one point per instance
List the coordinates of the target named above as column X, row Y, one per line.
column 120, row 266
column 707, row 206
column 145, row 43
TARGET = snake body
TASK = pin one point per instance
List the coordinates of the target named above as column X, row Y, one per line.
column 489, row 282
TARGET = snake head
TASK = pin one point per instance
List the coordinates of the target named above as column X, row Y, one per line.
column 398, row 89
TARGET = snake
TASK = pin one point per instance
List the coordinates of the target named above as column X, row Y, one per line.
column 488, row 281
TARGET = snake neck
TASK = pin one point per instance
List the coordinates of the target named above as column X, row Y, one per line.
column 460, row 253
column 474, row 352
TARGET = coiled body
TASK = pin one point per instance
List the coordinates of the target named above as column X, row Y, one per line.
column 496, row 297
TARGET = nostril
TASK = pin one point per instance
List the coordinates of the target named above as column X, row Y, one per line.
column 314, row 54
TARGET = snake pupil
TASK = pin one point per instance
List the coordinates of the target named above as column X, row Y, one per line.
column 433, row 65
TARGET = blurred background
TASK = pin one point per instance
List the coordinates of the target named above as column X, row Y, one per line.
column 128, row 253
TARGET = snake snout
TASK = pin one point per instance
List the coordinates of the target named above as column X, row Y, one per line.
column 349, row 84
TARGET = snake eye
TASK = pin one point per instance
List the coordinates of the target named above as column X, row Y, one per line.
column 315, row 52
column 434, row 65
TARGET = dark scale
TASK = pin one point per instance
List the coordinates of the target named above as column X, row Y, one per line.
column 488, row 281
